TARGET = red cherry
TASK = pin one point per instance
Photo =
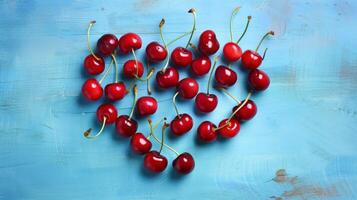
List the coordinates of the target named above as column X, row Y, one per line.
column 129, row 41
column 168, row 78
column 232, row 51
column 184, row 163
column 115, row 91
column 140, row 144
column 206, row 102
column 181, row 57
column 146, row 105
column 92, row 90
column 107, row 111
column 258, row 80
column 229, row 130
column 107, row 44
column 94, row 66
column 131, row 69
column 126, row 126
column 181, row 124
column 201, row 65
column 247, row 112
column 188, row 88
column 155, row 162
column 225, row 76
column 155, row 52
column 206, row 131
column 208, row 43
column 251, row 59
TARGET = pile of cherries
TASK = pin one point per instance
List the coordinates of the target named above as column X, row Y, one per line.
column 167, row 77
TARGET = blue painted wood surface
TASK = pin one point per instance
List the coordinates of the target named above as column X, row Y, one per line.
column 306, row 121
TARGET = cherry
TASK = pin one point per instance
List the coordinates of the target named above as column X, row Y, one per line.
column 228, row 128
column 94, row 66
column 129, row 42
column 201, row 65
column 206, row 131
column 126, row 126
column 184, row 163
column 181, row 57
column 208, row 43
column 206, row 102
column 247, row 112
column 258, row 80
column 181, row 124
column 155, row 52
column 225, row 76
column 133, row 68
column 115, row 91
column 92, row 90
column 107, row 44
column 146, row 105
column 155, row 162
column 188, row 88
column 252, row 59
column 106, row 114
column 140, row 144
column 168, row 78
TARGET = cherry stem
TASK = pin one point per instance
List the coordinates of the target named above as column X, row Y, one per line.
column 135, row 89
column 263, row 38
column 165, row 45
column 174, row 102
column 152, row 130
column 195, row 48
column 116, row 68
column 229, row 94
column 235, row 11
column 241, row 105
column 106, row 72
column 211, row 73
column 265, row 51
column 163, row 135
column 87, row 132
column 245, row 29
column 223, row 126
column 150, row 73
column 148, row 88
column 193, row 11
column 177, row 38
column 88, row 39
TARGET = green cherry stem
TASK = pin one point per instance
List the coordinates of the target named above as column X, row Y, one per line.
column 179, row 37
column 241, row 105
column 106, row 72
column 161, row 25
column 265, row 51
column 135, row 90
column 193, row 12
column 174, row 103
column 88, row 39
column 263, row 38
column 116, row 68
column 150, row 73
column 211, row 73
column 224, row 90
column 245, row 29
column 163, row 135
column 148, row 86
column 87, row 132
column 235, row 11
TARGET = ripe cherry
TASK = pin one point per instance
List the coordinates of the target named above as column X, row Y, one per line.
column 208, row 43
column 155, row 52
column 115, row 91
column 129, row 42
column 125, row 125
column 252, row 59
column 146, row 105
column 247, row 112
column 107, row 44
column 184, row 163
column 181, row 124
column 167, row 78
column 92, row 90
column 258, row 80
column 201, row 65
column 140, row 144
column 133, row 68
column 106, row 114
column 188, row 88
column 155, row 162
column 181, row 57
column 225, row 76
column 228, row 128
column 93, row 64
column 206, row 131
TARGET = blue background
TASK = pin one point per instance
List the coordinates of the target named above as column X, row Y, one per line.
column 306, row 121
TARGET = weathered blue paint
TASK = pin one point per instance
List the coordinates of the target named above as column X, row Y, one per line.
column 306, row 123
